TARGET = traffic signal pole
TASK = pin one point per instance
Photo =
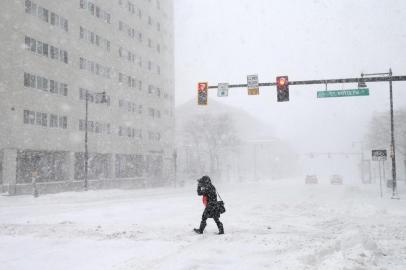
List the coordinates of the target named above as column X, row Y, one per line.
column 328, row 81
column 392, row 146
column 375, row 77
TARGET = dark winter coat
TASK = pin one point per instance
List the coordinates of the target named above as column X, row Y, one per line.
column 209, row 191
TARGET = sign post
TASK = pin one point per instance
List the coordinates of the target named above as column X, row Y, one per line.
column 380, row 156
column 343, row 93
column 222, row 90
column 253, row 85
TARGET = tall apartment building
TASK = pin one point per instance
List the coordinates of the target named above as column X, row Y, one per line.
column 54, row 54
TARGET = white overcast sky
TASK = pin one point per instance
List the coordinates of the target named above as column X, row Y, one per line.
column 225, row 40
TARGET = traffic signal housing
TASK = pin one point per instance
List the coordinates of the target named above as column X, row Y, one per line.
column 282, row 88
column 202, row 93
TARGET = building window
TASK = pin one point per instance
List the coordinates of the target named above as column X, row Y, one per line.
column 95, row 10
column 130, row 31
column 94, row 68
column 151, row 112
column 127, row 55
column 44, row 118
column 131, row 82
column 27, row 79
column 94, row 39
column 53, row 121
column 54, row 19
column 41, row 119
column 33, row 81
column 63, row 122
column 82, row 125
column 93, row 97
column 42, row 83
column 46, row 15
column 29, row 117
column 53, row 87
column 120, row 77
column 43, row 13
column 38, row 82
column 41, row 48
column 63, row 90
column 54, row 52
column 98, row 128
column 127, row 105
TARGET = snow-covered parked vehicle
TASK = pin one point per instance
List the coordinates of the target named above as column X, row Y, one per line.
column 336, row 179
column 311, row 179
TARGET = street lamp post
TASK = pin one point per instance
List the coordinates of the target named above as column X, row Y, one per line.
column 103, row 100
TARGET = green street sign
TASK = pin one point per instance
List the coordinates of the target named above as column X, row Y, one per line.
column 343, row 93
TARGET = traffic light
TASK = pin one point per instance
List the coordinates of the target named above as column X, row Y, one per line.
column 282, row 87
column 202, row 93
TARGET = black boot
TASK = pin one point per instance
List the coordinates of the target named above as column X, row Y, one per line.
column 198, row 231
column 202, row 226
column 220, row 227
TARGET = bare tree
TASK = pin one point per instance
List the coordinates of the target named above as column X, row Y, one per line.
column 379, row 131
column 212, row 137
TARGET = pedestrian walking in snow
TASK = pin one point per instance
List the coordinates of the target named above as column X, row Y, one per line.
column 206, row 189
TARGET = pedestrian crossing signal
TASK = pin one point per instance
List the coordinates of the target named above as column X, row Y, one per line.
column 282, row 88
column 202, row 93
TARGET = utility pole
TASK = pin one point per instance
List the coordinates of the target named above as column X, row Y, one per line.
column 392, row 146
column 392, row 130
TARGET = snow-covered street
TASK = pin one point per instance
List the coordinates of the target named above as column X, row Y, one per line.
column 268, row 225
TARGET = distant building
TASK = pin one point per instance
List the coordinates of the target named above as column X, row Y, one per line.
column 54, row 54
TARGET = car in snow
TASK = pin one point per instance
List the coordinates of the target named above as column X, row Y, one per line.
column 311, row 179
column 336, row 179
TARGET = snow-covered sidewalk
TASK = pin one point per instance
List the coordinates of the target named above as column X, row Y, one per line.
column 269, row 225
